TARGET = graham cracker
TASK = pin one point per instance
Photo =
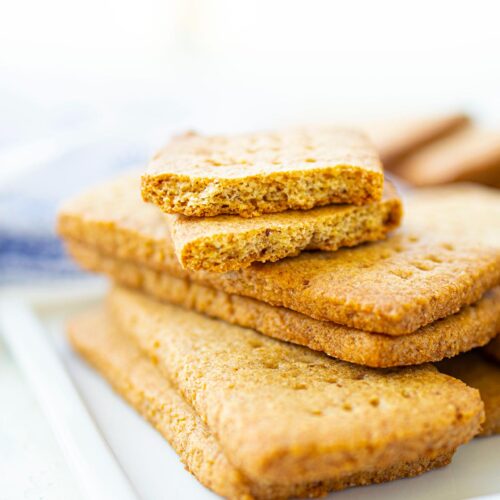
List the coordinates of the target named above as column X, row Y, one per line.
column 399, row 137
column 230, row 242
column 471, row 327
column 478, row 372
column 138, row 380
column 266, row 172
column 470, row 154
column 282, row 412
column 395, row 286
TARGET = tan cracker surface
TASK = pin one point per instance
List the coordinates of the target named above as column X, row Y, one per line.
column 471, row 327
column 252, row 174
column 284, row 411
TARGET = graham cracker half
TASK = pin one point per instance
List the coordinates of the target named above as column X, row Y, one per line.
column 230, row 242
column 283, row 412
column 266, row 172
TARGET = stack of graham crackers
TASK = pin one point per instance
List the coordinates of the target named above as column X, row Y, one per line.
column 272, row 321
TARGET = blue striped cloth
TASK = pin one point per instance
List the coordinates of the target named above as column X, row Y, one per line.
column 30, row 250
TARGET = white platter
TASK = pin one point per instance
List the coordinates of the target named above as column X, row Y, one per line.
column 153, row 468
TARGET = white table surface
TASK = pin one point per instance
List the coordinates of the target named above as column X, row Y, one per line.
column 31, row 464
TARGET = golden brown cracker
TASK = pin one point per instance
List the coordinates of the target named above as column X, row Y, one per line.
column 281, row 411
column 471, row 327
column 230, row 242
column 266, row 172
column 139, row 381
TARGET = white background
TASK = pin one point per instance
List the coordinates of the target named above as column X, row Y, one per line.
column 225, row 64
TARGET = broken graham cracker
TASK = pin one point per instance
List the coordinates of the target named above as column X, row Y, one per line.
column 396, row 286
column 138, row 380
column 229, row 242
column 478, row 372
column 471, row 327
column 253, row 174
column 396, row 138
column 493, row 348
column 285, row 413
column 470, row 154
